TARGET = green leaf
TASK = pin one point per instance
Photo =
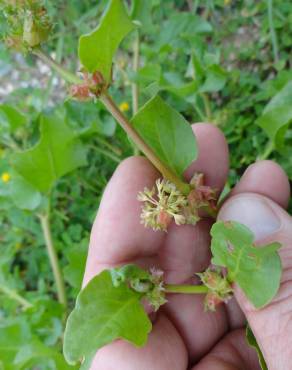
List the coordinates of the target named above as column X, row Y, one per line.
column 253, row 343
column 257, row 270
column 74, row 270
column 20, row 349
column 182, row 24
column 283, row 97
column 141, row 12
column 277, row 116
column 215, row 80
column 97, row 49
column 23, row 194
column 102, row 314
column 275, row 123
column 10, row 118
column 57, row 153
column 167, row 133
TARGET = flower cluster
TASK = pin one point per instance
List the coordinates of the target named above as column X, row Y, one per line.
column 156, row 296
column 28, row 24
column 152, row 287
column 220, row 289
column 164, row 203
column 161, row 204
column 92, row 86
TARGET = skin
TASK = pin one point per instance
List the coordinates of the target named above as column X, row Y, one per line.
column 184, row 336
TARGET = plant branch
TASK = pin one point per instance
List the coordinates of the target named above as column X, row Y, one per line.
column 15, row 296
column 133, row 134
column 58, row 277
column 186, row 289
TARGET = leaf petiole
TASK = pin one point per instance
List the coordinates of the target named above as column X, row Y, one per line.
column 65, row 74
column 186, row 289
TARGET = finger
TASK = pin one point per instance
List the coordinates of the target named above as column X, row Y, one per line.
column 187, row 250
column 164, row 350
column 269, row 222
column 117, row 235
column 231, row 353
column 266, row 178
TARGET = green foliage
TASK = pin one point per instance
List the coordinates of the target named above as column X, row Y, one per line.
column 277, row 116
column 11, row 119
column 226, row 47
column 57, row 153
column 167, row 133
column 23, row 194
column 257, row 270
column 102, row 314
column 96, row 49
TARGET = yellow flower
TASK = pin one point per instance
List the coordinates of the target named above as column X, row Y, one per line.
column 124, row 106
column 227, row 2
column 5, row 177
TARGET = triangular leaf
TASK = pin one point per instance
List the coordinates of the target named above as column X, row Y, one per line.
column 257, row 270
column 57, row 153
column 168, row 134
column 102, row 314
column 97, row 49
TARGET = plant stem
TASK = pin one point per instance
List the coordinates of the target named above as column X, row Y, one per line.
column 187, row 289
column 133, row 134
column 135, row 89
column 207, row 107
column 60, row 285
column 109, row 146
column 108, row 154
column 68, row 76
column 15, row 296
column 272, row 31
column 123, row 121
column 269, row 149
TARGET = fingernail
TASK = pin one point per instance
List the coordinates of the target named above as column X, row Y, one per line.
column 253, row 212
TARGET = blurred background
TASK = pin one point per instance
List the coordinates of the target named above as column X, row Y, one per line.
column 227, row 62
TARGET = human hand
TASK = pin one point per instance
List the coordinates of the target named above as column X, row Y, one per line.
column 183, row 335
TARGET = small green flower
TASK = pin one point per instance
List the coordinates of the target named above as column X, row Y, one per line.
column 161, row 204
column 219, row 287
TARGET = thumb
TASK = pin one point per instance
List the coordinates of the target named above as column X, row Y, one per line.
column 272, row 325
